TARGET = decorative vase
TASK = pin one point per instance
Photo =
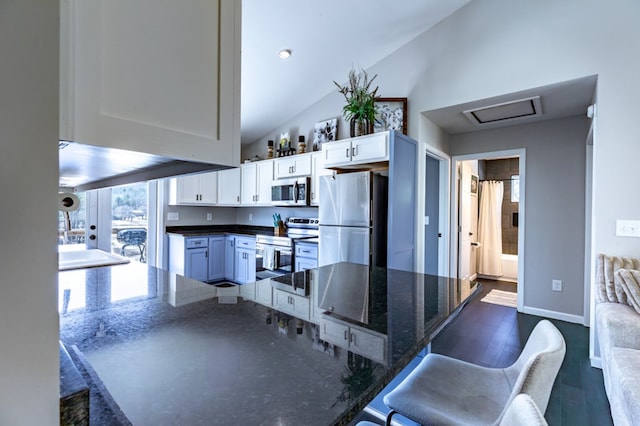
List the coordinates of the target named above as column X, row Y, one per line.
column 360, row 126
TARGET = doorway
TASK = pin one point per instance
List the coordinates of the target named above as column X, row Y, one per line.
column 434, row 259
column 488, row 240
column 119, row 220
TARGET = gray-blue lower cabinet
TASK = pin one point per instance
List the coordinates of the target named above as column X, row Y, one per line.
column 245, row 260
column 200, row 258
column 216, row 263
column 188, row 256
column 229, row 257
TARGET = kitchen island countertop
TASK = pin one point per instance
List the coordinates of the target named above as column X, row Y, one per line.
column 168, row 350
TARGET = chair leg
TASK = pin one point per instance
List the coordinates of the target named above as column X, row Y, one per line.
column 388, row 421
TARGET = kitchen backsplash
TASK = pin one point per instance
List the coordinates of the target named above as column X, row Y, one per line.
column 256, row 216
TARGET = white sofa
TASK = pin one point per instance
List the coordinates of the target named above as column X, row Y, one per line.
column 618, row 329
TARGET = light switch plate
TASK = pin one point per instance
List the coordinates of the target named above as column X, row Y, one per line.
column 628, row 228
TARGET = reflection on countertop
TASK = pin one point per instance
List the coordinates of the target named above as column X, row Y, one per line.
column 143, row 319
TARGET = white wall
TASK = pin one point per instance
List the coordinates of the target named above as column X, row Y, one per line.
column 29, row 367
column 261, row 216
column 197, row 215
column 555, row 214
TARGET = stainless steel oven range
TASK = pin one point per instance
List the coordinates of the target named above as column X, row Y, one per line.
column 275, row 255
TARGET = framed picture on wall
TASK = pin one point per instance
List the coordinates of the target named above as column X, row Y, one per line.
column 474, row 185
column 325, row 131
column 391, row 114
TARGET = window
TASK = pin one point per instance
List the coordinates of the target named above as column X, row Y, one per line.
column 129, row 221
column 515, row 188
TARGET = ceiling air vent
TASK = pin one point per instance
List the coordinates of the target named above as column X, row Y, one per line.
column 522, row 108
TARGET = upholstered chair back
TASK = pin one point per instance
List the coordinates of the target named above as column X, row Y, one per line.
column 536, row 368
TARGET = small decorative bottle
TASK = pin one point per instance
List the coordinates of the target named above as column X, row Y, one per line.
column 302, row 146
column 269, row 149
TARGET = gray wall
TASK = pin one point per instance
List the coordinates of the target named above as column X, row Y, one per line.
column 29, row 369
column 555, row 199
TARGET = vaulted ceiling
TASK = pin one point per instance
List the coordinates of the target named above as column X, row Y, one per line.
column 326, row 40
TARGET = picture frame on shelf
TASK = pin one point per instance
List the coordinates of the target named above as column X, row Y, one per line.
column 391, row 114
column 325, row 131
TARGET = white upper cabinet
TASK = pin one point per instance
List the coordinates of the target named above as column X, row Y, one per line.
column 354, row 152
column 229, row 187
column 197, row 190
column 292, row 166
column 155, row 77
column 256, row 183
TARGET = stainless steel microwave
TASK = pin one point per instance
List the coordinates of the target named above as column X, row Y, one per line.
column 291, row 192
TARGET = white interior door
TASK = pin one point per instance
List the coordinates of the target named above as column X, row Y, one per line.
column 464, row 220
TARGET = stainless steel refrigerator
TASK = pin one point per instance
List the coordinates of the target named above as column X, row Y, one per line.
column 353, row 219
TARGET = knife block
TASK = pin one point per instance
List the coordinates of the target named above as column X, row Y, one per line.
column 279, row 230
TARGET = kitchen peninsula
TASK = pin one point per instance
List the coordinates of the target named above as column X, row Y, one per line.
column 170, row 352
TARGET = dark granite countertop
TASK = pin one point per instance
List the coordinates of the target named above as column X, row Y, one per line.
column 198, row 230
column 170, row 351
column 308, row 241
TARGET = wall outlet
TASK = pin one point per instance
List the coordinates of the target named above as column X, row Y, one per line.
column 250, row 217
column 556, row 285
column 209, row 216
column 173, row 216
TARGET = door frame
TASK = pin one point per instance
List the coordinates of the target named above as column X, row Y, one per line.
column 443, row 225
column 521, row 153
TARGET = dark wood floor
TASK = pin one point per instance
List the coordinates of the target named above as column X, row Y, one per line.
column 493, row 336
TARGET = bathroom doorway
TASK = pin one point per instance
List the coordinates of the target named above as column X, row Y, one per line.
column 488, row 218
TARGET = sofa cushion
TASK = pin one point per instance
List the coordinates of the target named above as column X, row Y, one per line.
column 627, row 282
column 624, row 370
column 618, row 326
column 605, row 275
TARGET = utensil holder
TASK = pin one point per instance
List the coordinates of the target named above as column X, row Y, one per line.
column 279, row 230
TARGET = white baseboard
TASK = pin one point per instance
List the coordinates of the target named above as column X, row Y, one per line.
column 596, row 362
column 577, row 319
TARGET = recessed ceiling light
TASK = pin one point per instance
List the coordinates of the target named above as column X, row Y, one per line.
column 284, row 53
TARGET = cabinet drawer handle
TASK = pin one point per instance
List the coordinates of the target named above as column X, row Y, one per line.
column 347, row 153
column 354, row 151
column 345, row 335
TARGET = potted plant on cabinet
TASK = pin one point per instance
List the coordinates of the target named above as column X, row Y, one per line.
column 360, row 108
